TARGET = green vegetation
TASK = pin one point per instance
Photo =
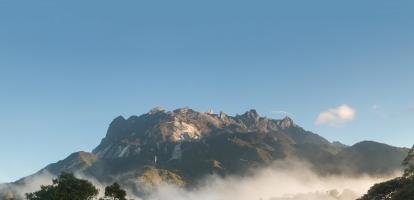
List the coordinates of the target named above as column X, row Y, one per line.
column 114, row 192
column 401, row 188
column 68, row 187
column 153, row 177
column 65, row 187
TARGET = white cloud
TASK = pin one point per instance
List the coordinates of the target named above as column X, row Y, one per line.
column 376, row 109
column 336, row 117
column 283, row 180
column 283, row 113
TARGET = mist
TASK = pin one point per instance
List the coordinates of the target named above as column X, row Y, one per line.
column 26, row 185
column 283, row 180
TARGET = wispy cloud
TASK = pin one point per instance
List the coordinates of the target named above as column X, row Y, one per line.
column 299, row 183
column 406, row 111
column 336, row 117
column 376, row 109
column 282, row 113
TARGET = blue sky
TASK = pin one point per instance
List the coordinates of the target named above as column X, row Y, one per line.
column 68, row 68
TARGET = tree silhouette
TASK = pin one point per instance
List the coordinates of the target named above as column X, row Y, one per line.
column 115, row 192
column 65, row 187
column 409, row 163
column 400, row 188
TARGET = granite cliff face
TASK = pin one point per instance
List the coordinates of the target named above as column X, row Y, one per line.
column 182, row 146
column 129, row 137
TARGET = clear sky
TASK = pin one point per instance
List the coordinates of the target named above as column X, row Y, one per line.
column 343, row 69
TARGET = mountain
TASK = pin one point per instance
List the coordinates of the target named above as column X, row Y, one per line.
column 182, row 146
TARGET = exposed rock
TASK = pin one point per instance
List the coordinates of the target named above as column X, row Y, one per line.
column 287, row 122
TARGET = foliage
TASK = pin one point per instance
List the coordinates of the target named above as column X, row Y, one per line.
column 401, row 188
column 153, row 177
column 65, row 187
column 115, row 192
column 409, row 163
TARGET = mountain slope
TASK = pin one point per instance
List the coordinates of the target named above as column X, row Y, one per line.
column 76, row 162
column 374, row 157
column 400, row 188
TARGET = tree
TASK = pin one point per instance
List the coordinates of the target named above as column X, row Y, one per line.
column 409, row 163
column 115, row 192
column 400, row 188
column 65, row 187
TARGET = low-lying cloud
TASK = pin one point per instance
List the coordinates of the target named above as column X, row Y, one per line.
column 283, row 113
column 336, row 117
column 29, row 184
column 32, row 183
column 283, row 180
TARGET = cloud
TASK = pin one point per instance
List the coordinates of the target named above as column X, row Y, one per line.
column 283, row 113
column 336, row 117
column 26, row 185
column 408, row 111
column 377, row 109
column 282, row 180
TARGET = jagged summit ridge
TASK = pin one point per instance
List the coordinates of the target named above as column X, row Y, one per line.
column 184, row 124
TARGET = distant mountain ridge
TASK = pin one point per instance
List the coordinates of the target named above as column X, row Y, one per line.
column 182, row 146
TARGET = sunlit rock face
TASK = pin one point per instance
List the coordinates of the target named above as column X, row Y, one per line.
column 126, row 137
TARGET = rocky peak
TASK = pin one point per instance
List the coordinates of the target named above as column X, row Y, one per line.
column 182, row 110
column 118, row 121
column 287, row 122
column 156, row 110
column 250, row 119
column 117, row 127
column 252, row 114
column 223, row 116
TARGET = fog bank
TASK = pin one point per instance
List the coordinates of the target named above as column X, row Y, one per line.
column 283, row 180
